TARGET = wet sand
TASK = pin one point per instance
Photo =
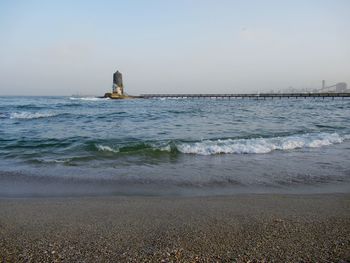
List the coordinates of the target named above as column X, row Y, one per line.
column 238, row 228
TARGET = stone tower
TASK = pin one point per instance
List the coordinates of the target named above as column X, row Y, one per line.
column 118, row 83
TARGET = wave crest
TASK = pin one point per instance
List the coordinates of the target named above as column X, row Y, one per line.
column 30, row 115
column 105, row 148
column 133, row 148
column 259, row 145
column 230, row 146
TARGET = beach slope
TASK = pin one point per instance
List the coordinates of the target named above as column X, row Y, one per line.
column 238, row 228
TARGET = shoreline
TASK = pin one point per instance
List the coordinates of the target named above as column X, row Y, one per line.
column 238, row 228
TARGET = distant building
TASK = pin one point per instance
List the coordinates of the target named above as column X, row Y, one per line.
column 341, row 87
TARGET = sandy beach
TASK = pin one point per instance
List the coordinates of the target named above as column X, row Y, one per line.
column 237, row 228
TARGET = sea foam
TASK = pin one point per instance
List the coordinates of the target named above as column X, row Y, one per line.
column 105, row 148
column 259, row 145
column 31, row 115
column 235, row 146
column 89, row 98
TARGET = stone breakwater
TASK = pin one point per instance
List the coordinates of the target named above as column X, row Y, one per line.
column 119, row 96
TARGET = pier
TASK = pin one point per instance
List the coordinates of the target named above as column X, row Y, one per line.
column 250, row 95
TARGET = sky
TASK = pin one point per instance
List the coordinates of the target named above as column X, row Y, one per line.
column 69, row 47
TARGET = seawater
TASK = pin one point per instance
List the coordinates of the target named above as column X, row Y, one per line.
column 92, row 146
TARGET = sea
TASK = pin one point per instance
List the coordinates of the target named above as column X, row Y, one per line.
column 87, row 146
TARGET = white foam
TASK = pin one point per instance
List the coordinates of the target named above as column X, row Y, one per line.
column 89, row 98
column 259, row 145
column 166, row 148
column 347, row 137
column 104, row 148
column 30, row 115
column 60, row 161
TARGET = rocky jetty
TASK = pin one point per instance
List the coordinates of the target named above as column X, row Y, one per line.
column 118, row 88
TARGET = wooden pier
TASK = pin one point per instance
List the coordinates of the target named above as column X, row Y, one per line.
column 249, row 95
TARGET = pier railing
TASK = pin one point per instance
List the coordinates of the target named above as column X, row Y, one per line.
column 250, row 95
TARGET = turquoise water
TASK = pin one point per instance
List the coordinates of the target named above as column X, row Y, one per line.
column 68, row 145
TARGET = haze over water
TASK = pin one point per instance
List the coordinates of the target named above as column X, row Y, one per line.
column 80, row 146
column 65, row 47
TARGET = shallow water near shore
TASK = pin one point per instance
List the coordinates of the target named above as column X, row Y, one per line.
column 91, row 146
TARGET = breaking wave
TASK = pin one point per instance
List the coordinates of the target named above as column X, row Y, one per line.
column 229, row 146
column 30, row 115
column 133, row 148
column 104, row 148
column 260, row 145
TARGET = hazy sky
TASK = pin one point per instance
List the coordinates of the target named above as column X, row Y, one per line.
column 69, row 47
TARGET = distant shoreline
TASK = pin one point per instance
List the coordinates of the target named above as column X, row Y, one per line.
column 262, row 94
